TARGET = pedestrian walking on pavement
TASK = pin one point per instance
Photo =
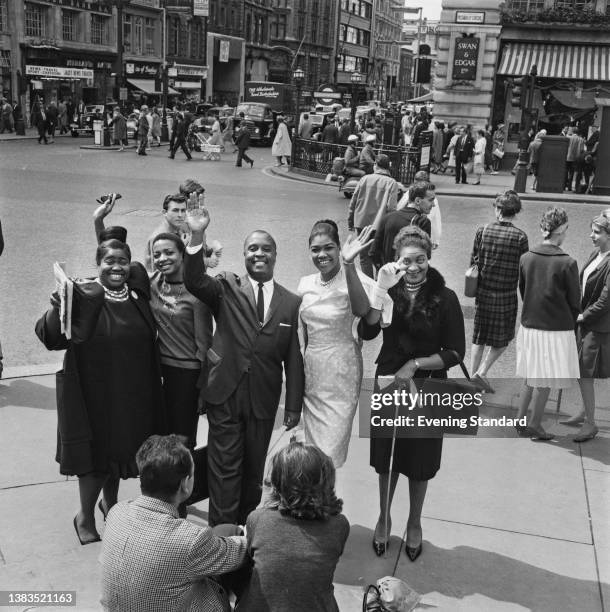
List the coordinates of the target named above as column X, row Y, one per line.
column 143, row 128
column 155, row 130
column 496, row 252
column 593, row 331
column 464, row 148
column 242, row 142
column 574, row 158
column 550, row 290
column 52, row 114
column 109, row 395
column 479, row 156
column 497, row 148
column 534, row 152
column 62, row 117
column 39, row 120
column 6, row 116
column 119, row 127
column 181, row 126
column 282, row 146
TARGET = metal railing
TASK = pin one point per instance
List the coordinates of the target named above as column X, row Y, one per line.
column 317, row 158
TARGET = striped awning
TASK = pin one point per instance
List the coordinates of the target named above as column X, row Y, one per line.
column 585, row 63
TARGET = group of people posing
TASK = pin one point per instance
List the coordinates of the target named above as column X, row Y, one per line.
column 146, row 345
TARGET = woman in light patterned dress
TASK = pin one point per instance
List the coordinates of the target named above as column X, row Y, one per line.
column 333, row 302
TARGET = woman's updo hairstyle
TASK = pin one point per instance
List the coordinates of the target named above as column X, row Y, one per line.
column 325, row 227
column 172, row 238
column 411, row 235
column 108, row 245
column 552, row 218
column 509, row 203
column 603, row 220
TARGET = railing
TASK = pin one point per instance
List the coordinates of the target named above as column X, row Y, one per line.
column 317, row 158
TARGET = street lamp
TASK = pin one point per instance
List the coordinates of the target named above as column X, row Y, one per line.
column 529, row 85
column 355, row 79
column 297, row 76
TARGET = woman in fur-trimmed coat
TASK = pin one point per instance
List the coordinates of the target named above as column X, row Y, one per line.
column 425, row 338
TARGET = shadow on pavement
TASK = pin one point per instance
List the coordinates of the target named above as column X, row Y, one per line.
column 27, row 394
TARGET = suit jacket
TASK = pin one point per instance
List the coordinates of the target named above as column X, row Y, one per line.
column 464, row 152
column 241, row 345
column 242, row 138
column 595, row 299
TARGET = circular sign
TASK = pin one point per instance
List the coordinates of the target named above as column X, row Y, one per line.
column 327, row 95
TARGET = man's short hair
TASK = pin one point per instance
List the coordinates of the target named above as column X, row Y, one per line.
column 383, row 162
column 305, row 116
column 163, row 462
column 175, row 197
column 419, row 189
column 265, row 233
column 241, row 114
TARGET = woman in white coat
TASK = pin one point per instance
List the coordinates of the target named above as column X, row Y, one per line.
column 282, row 146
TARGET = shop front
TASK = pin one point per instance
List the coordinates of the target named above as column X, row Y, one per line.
column 226, row 76
column 187, row 79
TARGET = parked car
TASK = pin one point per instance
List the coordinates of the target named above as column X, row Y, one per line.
column 259, row 119
column 83, row 126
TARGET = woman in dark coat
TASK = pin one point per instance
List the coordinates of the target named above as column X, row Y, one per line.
column 425, row 338
column 497, row 249
column 119, row 125
column 593, row 332
column 109, row 397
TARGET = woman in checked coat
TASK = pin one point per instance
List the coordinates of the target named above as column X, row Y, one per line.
column 497, row 249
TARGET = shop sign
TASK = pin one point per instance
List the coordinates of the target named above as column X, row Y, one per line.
column 185, row 6
column 81, row 63
column 122, row 93
column 225, row 46
column 192, row 71
column 465, row 59
column 201, row 8
column 327, row 94
column 187, row 85
column 59, row 72
column 139, row 68
column 474, row 17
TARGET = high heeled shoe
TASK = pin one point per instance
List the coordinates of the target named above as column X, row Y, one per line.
column 380, row 547
column 100, row 505
column 85, row 542
column 586, row 433
column 413, row 553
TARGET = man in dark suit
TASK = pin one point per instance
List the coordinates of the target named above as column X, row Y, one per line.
column 242, row 142
column 181, row 127
column 464, row 149
column 256, row 336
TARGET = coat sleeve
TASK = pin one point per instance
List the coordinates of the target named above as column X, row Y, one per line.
column 453, row 337
column 376, row 251
column 200, row 284
column 573, row 288
column 293, row 368
column 599, row 307
column 474, row 256
column 48, row 330
column 352, row 207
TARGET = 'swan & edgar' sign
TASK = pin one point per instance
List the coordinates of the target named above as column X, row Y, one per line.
column 465, row 59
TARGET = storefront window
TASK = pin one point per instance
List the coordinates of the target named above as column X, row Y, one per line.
column 99, row 29
column 571, row 4
column 68, row 24
column 174, row 37
column 35, row 19
column 149, row 33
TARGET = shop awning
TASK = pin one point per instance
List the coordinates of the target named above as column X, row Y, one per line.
column 187, row 84
column 585, row 63
column 148, row 86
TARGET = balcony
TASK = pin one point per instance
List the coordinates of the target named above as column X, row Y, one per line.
column 556, row 18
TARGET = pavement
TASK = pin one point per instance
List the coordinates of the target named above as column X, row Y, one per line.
column 445, row 184
column 509, row 524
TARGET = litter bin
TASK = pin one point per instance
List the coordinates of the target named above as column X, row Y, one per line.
column 98, row 127
column 552, row 164
column 20, row 127
column 106, row 132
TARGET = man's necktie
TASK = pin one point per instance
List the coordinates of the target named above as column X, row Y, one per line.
column 260, row 304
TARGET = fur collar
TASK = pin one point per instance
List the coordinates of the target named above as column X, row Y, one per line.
column 419, row 317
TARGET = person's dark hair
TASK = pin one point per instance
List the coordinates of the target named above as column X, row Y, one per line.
column 113, row 232
column 325, row 227
column 419, row 189
column 172, row 238
column 191, row 186
column 241, row 114
column 302, row 480
column 481, row 133
column 412, row 235
column 305, row 116
column 163, row 462
column 509, row 203
column 176, row 197
column 107, row 245
column 266, row 233
column 552, row 218
column 383, row 161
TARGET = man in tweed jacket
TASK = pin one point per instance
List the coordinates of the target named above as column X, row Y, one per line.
column 153, row 560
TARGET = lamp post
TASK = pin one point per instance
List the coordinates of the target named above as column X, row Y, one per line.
column 298, row 76
column 164, row 131
column 355, row 79
column 526, row 122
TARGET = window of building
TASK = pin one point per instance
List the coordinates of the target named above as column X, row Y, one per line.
column 99, row 29
column 35, row 19
column 149, row 36
column 278, row 27
column 174, row 46
column 525, row 6
column 3, row 16
column 222, row 21
column 579, row 5
column 127, row 32
column 68, row 24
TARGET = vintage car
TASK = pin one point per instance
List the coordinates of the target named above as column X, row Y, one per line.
column 260, row 120
column 83, row 125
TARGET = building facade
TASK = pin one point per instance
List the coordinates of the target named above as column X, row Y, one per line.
column 258, row 15
column 384, row 64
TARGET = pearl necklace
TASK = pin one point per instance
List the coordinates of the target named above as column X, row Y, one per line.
column 414, row 287
column 119, row 295
column 330, row 281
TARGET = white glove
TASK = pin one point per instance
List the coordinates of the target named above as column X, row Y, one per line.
column 387, row 277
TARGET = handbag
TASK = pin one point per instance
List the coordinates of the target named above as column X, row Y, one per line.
column 471, row 277
column 498, row 153
column 390, row 594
